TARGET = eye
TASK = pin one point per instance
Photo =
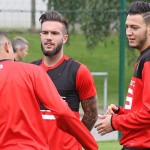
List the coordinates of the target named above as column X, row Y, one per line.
column 44, row 32
column 135, row 28
column 55, row 33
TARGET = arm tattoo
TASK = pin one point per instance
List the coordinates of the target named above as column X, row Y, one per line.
column 90, row 109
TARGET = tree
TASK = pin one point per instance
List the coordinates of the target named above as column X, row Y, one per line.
column 94, row 17
column 98, row 21
column 97, row 18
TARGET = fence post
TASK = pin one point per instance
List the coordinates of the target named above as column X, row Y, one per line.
column 32, row 15
column 105, row 75
column 122, row 54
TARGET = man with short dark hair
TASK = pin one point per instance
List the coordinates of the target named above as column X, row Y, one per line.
column 72, row 79
column 134, row 119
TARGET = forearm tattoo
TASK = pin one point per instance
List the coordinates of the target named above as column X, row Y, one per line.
column 90, row 109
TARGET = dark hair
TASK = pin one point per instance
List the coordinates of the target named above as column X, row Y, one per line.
column 54, row 16
column 141, row 8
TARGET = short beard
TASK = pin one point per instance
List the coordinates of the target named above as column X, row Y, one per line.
column 53, row 52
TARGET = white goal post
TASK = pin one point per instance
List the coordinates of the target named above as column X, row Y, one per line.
column 105, row 75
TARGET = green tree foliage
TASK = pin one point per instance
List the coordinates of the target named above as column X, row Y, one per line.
column 97, row 24
column 94, row 17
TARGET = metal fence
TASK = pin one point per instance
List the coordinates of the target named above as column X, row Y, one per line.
column 19, row 13
column 24, row 14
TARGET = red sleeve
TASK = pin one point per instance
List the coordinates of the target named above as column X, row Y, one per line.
column 121, row 110
column 65, row 118
column 85, row 83
column 140, row 117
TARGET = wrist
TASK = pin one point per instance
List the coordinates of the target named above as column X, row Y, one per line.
column 112, row 123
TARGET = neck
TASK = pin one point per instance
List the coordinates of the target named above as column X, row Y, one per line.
column 5, row 57
column 52, row 61
column 145, row 46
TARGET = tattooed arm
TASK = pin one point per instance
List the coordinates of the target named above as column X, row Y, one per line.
column 90, row 109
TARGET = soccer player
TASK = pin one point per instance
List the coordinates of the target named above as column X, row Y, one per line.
column 23, row 87
column 20, row 47
column 134, row 119
column 72, row 79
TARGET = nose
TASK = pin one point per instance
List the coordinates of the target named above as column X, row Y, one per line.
column 129, row 31
column 49, row 35
column 26, row 52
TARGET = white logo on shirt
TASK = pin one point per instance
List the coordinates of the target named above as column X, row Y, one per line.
column 129, row 97
column 1, row 66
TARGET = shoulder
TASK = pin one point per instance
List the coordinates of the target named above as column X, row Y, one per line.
column 36, row 62
column 79, row 64
column 81, row 68
column 27, row 67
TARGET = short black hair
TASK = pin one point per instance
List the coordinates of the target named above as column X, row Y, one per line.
column 141, row 8
column 54, row 15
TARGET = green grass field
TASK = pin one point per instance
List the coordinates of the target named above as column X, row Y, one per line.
column 102, row 58
column 109, row 145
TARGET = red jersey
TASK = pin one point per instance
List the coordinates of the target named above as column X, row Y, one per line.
column 134, row 119
column 23, row 87
column 84, row 85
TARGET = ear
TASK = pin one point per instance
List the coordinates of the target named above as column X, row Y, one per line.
column 6, row 47
column 65, row 38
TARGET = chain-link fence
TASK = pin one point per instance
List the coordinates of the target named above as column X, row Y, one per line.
column 21, row 14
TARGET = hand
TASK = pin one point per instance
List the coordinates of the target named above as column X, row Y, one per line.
column 111, row 109
column 104, row 126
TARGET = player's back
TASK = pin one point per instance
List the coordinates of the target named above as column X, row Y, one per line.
column 20, row 124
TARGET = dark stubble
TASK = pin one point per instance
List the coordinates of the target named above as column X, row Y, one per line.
column 53, row 52
column 142, row 41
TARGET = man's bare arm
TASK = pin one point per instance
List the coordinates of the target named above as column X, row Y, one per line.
column 90, row 109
